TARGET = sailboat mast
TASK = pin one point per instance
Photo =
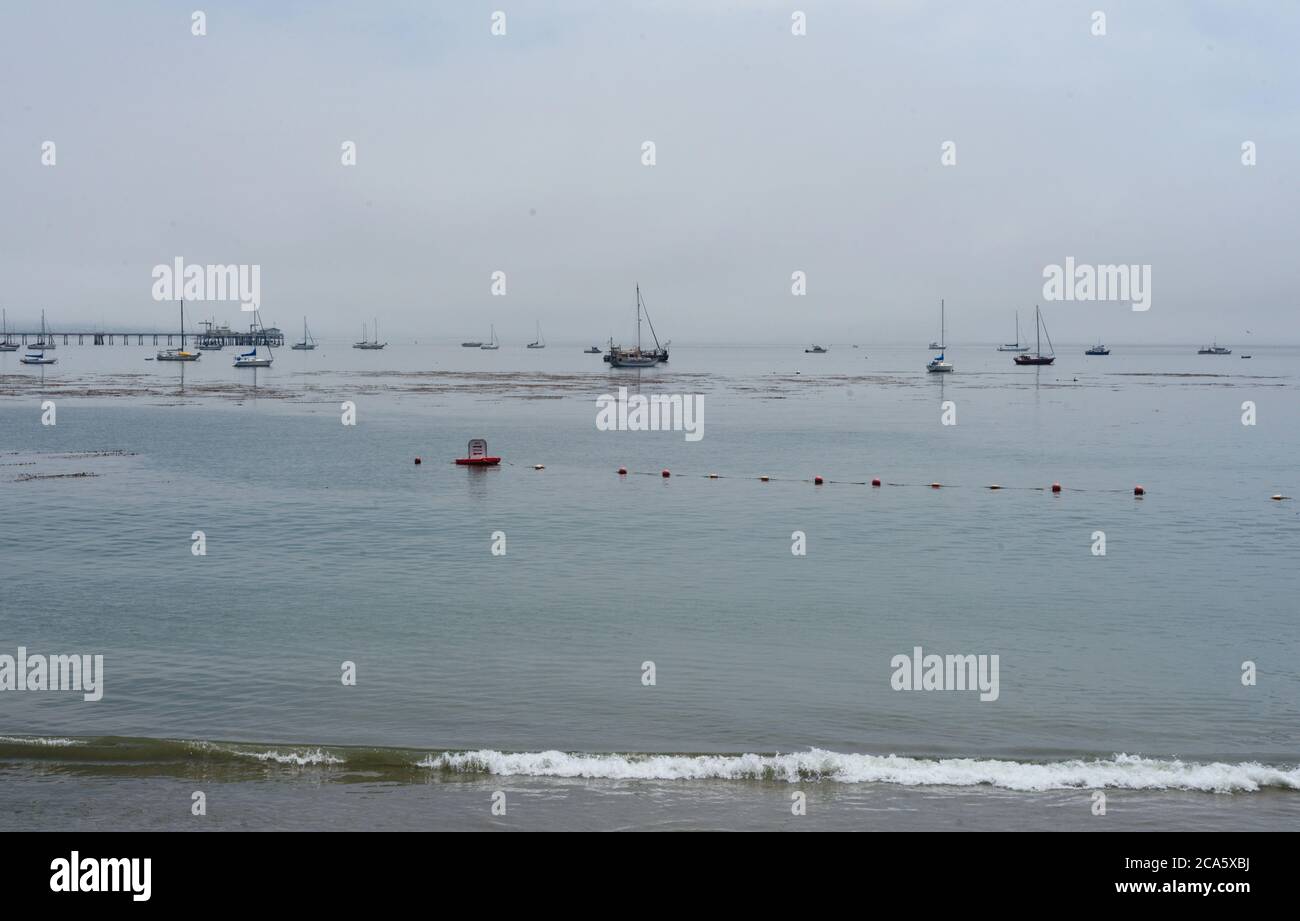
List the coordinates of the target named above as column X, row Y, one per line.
column 943, row 333
column 1038, row 332
column 638, row 319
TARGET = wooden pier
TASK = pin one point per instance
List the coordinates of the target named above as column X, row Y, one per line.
column 272, row 337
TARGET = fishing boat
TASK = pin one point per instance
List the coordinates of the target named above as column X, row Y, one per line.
column 5, row 344
column 594, row 350
column 1245, row 356
column 939, row 364
column 1038, row 358
column 492, row 344
column 816, row 350
column 620, row 357
column 46, row 342
column 180, row 354
column 369, row 343
column 539, row 342
column 308, row 343
column 1014, row 346
column 1215, row 349
column 1098, row 349
column 251, row 359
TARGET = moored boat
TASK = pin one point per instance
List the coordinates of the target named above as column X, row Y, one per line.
column 1038, row 358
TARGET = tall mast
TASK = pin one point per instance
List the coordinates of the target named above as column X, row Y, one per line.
column 1038, row 332
column 943, row 334
column 638, row 319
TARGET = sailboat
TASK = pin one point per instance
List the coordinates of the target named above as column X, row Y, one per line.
column 251, row 359
column 1014, row 346
column 539, row 343
column 634, row 358
column 46, row 342
column 37, row 355
column 368, row 343
column 180, row 354
column 492, row 344
column 1038, row 358
column 938, row 365
column 308, row 343
column 5, row 344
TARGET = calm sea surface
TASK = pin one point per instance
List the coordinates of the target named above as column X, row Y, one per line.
column 523, row 672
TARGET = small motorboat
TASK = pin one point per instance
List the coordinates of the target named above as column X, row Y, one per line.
column 1245, row 356
column 1215, row 349
column 594, row 350
column 1098, row 349
column 477, row 456
column 816, row 350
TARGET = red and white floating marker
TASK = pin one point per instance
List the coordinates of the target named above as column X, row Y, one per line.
column 817, row 481
column 1056, row 487
column 994, row 486
column 875, row 481
column 622, row 471
column 713, row 476
column 1139, row 491
column 1279, row 497
column 763, row 478
column 936, row 485
column 666, row 474
column 538, row 467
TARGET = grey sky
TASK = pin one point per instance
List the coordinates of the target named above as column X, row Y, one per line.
column 775, row 153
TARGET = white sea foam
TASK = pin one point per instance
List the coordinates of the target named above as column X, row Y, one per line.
column 1127, row 772
column 300, row 758
column 40, row 740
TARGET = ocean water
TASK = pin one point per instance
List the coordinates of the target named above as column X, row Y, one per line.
column 523, row 672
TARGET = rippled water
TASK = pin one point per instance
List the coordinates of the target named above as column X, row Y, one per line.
column 326, row 543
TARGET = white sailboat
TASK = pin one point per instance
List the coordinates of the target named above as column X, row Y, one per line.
column 539, row 342
column 5, row 344
column 252, row 359
column 369, row 343
column 492, row 344
column 180, row 354
column 1014, row 346
column 36, row 356
column 308, row 343
column 46, row 342
column 938, row 364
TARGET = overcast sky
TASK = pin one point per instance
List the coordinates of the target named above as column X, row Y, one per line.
column 775, row 153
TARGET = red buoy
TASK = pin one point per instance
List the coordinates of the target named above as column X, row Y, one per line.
column 875, row 481
column 817, row 481
column 936, row 485
column 713, row 476
column 417, row 462
column 763, row 478
column 622, row 471
column 1139, row 491
column 666, row 474
column 1056, row 487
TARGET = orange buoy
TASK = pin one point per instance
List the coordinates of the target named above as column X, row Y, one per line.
column 622, row 471
column 417, row 462
column 875, row 481
column 1056, row 487
column 817, row 481
column 1139, row 491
